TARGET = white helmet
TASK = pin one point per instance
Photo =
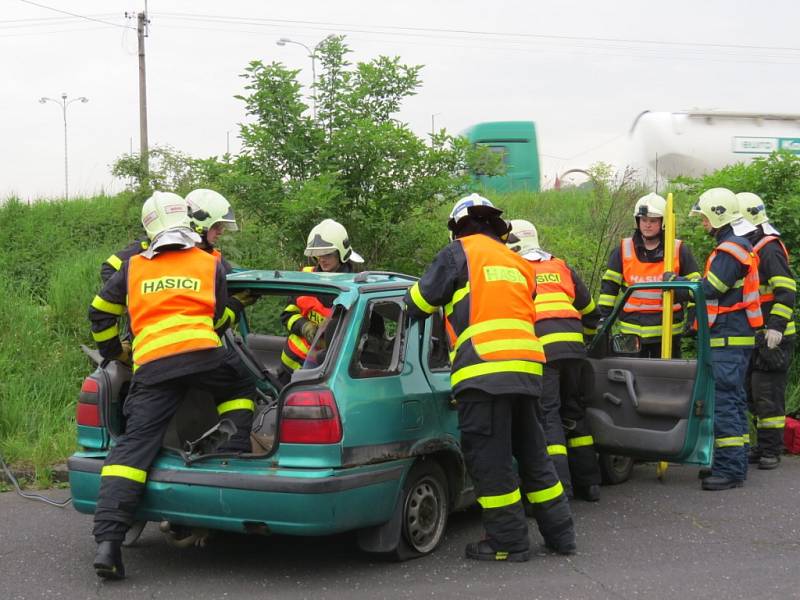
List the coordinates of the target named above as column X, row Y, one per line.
column 719, row 205
column 328, row 237
column 163, row 211
column 752, row 208
column 651, row 205
column 477, row 207
column 523, row 237
column 207, row 207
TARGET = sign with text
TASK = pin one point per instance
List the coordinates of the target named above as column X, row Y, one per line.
column 764, row 145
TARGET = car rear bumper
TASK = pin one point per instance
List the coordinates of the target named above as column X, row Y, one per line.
column 247, row 494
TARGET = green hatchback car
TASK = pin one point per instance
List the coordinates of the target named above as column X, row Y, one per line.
column 364, row 437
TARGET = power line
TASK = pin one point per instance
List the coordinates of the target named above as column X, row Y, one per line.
column 33, row 22
column 688, row 54
column 433, row 30
column 65, row 12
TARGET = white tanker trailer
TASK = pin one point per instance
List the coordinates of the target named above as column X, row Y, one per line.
column 668, row 144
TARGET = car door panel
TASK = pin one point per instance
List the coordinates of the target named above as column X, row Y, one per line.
column 652, row 408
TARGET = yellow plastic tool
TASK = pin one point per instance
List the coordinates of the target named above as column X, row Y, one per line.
column 666, row 311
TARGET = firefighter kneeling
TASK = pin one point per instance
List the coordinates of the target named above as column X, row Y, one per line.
column 486, row 291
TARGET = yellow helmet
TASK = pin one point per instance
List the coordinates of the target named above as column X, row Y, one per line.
column 207, row 208
column 523, row 236
column 163, row 211
column 328, row 237
column 752, row 208
column 719, row 205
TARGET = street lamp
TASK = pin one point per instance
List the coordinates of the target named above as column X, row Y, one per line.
column 312, row 54
column 64, row 103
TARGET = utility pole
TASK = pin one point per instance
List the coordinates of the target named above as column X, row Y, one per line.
column 141, row 23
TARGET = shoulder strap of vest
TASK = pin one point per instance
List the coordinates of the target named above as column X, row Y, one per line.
column 738, row 252
column 766, row 240
column 626, row 248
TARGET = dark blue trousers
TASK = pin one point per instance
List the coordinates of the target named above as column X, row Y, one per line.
column 729, row 365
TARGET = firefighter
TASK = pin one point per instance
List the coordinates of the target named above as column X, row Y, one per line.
column 328, row 245
column 640, row 258
column 775, row 343
column 486, row 292
column 211, row 215
column 730, row 284
column 174, row 292
column 565, row 313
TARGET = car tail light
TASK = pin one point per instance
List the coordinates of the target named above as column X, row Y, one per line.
column 310, row 417
column 88, row 414
column 87, row 411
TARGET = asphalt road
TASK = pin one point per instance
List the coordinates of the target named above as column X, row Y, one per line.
column 644, row 539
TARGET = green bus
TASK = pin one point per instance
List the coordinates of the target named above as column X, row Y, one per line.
column 516, row 141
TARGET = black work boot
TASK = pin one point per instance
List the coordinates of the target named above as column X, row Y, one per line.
column 590, row 493
column 557, row 527
column 108, row 560
column 704, row 473
column 483, row 551
column 767, row 463
column 754, row 456
column 713, row 483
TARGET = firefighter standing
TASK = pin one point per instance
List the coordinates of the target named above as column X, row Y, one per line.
column 486, row 291
column 730, row 284
column 640, row 258
column 565, row 313
column 775, row 343
column 174, row 293
column 329, row 246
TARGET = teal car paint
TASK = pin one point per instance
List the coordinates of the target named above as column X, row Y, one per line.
column 365, row 435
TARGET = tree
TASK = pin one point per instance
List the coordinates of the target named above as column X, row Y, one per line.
column 356, row 162
column 170, row 170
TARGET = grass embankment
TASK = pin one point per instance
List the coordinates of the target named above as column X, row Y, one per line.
column 50, row 254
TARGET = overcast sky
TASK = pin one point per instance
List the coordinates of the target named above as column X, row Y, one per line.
column 582, row 70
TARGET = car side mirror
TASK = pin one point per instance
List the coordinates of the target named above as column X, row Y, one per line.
column 626, row 343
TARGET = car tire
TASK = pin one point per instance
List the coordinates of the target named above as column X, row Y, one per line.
column 615, row 468
column 425, row 508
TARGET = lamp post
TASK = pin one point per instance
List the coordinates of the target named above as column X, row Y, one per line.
column 64, row 103
column 312, row 54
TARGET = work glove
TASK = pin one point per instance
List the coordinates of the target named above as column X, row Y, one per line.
column 772, row 338
column 670, row 276
column 125, row 355
column 309, row 330
column 245, row 297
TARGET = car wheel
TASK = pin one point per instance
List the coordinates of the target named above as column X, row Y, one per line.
column 614, row 468
column 425, row 510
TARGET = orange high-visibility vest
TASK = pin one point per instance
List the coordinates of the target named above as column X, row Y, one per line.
column 315, row 311
column 171, row 301
column 766, row 293
column 499, row 336
column 750, row 302
column 555, row 290
column 636, row 271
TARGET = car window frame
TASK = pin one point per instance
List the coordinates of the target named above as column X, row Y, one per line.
column 398, row 360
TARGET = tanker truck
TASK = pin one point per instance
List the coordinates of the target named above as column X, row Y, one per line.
column 694, row 142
